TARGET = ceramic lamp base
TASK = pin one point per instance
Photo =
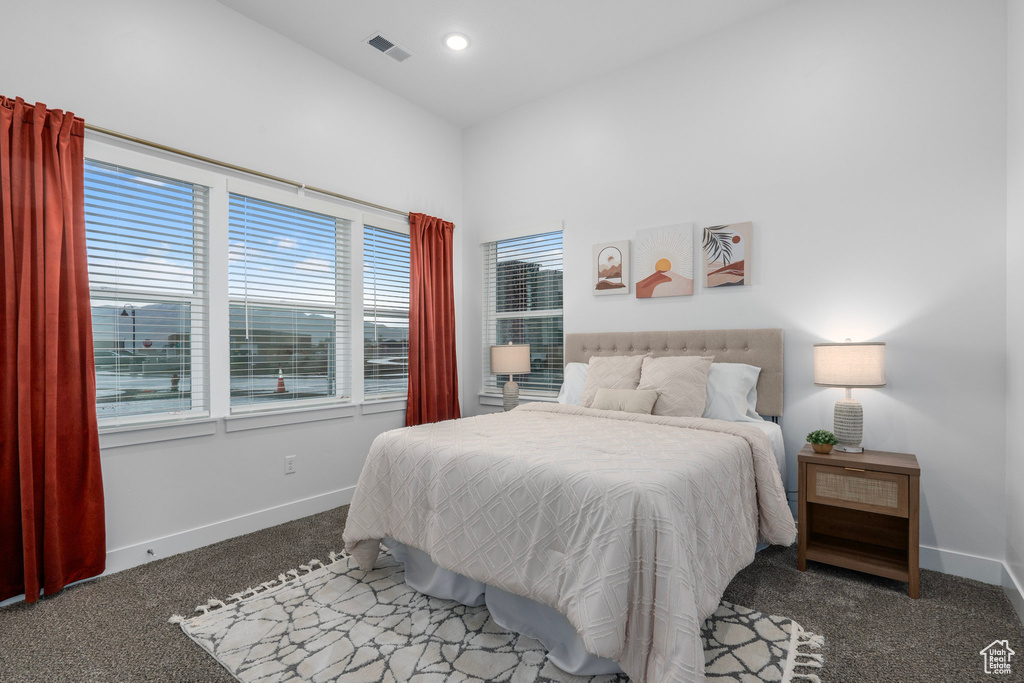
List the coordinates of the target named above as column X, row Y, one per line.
column 510, row 395
column 848, row 425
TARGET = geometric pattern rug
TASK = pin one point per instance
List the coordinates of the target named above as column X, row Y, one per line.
column 335, row 622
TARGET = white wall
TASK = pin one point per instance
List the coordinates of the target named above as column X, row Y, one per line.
column 1015, row 306
column 867, row 142
column 195, row 75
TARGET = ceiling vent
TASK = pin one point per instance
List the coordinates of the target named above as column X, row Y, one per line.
column 396, row 52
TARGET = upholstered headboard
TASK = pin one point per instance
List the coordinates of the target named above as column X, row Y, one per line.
column 762, row 348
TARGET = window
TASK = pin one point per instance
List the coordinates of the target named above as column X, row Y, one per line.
column 146, row 246
column 385, row 313
column 290, row 320
column 523, row 305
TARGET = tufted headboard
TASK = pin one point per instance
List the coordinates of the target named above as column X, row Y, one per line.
column 762, row 348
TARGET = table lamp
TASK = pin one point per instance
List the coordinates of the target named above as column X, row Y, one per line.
column 850, row 366
column 508, row 360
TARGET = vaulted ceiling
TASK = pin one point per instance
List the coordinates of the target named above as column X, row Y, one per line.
column 519, row 51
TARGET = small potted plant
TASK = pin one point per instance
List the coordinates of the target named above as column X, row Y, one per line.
column 822, row 440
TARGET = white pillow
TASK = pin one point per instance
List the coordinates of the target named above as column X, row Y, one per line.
column 625, row 400
column 681, row 383
column 610, row 372
column 732, row 392
column 572, row 383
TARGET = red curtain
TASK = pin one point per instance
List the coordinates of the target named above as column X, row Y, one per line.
column 433, row 379
column 51, row 492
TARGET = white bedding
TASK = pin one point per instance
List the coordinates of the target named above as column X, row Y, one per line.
column 629, row 525
column 522, row 615
column 774, row 434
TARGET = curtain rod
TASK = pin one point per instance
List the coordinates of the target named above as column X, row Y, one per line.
column 241, row 169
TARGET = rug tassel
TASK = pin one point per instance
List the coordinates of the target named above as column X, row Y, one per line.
column 282, row 579
column 810, row 639
column 801, row 659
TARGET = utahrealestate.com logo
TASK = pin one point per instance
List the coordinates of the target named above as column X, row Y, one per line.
column 997, row 657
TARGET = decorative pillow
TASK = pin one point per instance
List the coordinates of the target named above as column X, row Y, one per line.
column 626, row 400
column 681, row 383
column 611, row 372
column 732, row 392
column 572, row 383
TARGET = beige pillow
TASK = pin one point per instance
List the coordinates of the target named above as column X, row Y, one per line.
column 626, row 400
column 681, row 383
column 610, row 372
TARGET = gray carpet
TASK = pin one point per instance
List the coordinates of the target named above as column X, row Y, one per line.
column 115, row 628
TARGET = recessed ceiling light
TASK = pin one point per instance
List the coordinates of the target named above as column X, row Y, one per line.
column 457, row 41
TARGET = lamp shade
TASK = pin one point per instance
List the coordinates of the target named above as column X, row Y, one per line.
column 849, row 365
column 510, row 359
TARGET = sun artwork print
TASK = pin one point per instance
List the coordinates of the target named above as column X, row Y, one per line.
column 664, row 261
column 727, row 255
column 611, row 268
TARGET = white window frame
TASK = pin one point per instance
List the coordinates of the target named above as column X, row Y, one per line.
column 403, row 228
column 147, row 163
column 344, row 339
column 492, row 316
column 148, row 429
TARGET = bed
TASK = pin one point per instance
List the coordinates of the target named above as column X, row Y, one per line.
column 609, row 536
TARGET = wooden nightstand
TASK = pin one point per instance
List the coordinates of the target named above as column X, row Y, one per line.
column 860, row 511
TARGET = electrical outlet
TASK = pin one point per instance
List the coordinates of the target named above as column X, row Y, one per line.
column 289, row 464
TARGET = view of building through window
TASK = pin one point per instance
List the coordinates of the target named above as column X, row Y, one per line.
column 523, row 305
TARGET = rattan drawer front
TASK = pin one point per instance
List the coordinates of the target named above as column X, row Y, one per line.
column 882, row 492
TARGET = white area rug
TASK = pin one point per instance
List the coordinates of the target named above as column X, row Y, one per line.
column 338, row 623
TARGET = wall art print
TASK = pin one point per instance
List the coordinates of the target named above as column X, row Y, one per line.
column 611, row 268
column 727, row 255
column 664, row 261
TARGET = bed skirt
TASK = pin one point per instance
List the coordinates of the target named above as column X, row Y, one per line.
column 511, row 612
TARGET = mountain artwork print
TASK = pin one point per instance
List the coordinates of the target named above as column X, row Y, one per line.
column 664, row 261
column 727, row 255
column 611, row 268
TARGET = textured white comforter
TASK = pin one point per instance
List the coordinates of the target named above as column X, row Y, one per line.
column 631, row 526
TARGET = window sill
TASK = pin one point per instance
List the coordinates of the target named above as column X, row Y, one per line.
column 134, row 435
column 391, row 405
column 281, row 418
column 497, row 399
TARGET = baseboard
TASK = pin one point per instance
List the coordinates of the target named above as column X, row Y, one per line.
column 984, row 569
column 120, row 559
column 127, row 557
column 1014, row 592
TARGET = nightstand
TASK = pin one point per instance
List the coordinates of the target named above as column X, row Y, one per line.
column 860, row 511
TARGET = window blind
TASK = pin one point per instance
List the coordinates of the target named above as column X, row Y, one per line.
column 289, row 290
column 523, row 305
column 385, row 313
column 147, row 252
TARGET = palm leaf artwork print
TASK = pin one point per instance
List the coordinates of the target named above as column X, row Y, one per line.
column 726, row 255
column 718, row 244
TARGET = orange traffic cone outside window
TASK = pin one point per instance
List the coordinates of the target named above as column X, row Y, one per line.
column 280, row 380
